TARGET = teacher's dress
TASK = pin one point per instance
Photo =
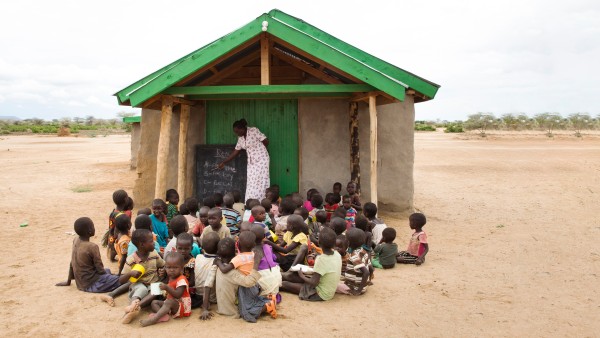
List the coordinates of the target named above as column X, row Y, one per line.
column 258, row 163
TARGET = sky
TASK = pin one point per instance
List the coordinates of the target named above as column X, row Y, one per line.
column 67, row 58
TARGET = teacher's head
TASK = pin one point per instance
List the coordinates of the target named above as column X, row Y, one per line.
column 240, row 127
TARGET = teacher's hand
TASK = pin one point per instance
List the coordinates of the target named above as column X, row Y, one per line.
column 221, row 165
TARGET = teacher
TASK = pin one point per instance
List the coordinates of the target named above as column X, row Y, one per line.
column 255, row 143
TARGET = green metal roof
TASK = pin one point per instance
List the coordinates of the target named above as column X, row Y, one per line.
column 373, row 71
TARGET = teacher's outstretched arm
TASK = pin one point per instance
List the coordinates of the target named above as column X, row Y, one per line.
column 233, row 154
column 265, row 142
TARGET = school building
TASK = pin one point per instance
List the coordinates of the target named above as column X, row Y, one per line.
column 332, row 112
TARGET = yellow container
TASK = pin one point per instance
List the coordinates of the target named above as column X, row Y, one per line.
column 139, row 268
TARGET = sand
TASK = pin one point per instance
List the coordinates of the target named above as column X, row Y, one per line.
column 512, row 222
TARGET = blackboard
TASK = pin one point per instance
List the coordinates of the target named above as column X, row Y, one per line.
column 209, row 180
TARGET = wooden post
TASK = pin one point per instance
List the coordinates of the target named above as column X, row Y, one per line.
column 164, row 141
column 354, row 146
column 184, row 119
column 373, row 143
column 265, row 60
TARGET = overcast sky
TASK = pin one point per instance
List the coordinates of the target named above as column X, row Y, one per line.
column 67, row 58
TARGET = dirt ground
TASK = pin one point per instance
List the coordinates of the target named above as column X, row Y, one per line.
column 512, row 222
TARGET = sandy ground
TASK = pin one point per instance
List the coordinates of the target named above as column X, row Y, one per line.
column 512, row 221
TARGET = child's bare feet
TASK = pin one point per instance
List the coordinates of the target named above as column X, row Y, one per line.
column 129, row 316
column 272, row 306
column 108, row 299
column 152, row 319
column 135, row 304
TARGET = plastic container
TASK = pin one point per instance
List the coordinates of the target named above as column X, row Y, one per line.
column 139, row 268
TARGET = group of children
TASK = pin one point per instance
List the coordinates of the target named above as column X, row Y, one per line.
column 238, row 256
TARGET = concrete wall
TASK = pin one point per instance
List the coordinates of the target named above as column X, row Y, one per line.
column 136, row 130
column 143, row 192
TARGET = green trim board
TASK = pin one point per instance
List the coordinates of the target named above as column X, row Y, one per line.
column 132, row 119
column 254, row 89
column 373, row 71
column 267, row 96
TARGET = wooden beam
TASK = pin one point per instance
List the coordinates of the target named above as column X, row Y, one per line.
column 184, row 119
column 182, row 101
column 265, row 60
column 232, row 68
column 306, row 68
column 364, row 96
column 354, row 146
column 151, row 101
column 254, row 89
column 373, row 144
column 164, row 140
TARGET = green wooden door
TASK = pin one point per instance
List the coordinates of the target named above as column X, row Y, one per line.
column 277, row 119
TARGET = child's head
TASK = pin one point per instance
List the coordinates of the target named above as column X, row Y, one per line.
column 120, row 198
column 143, row 221
column 174, row 263
column 123, row 224
column 295, row 224
column 321, row 216
column 237, row 196
column 159, row 207
column 417, row 220
column 259, row 232
column 228, row 200
column 183, row 209
column 214, row 218
column 178, row 225
column 269, row 193
column 129, row 204
column 298, row 202
column 338, row 225
column 388, row 235
column 346, row 202
column 316, row 201
column 302, row 212
column 84, row 227
column 143, row 240
column 251, row 203
column 341, row 244
column 328, row 198
column 337, row 188
column 351, row 188
column 266, row 203
column 339, row 212
column 192, row 205
column 337, row 198
column 247, row 241
column 226, row 248
column 273, row 194
column 287, row 206
column 184, row 244
column 356, row 238
column 370, row 210
column 361, row 222
column 203, row 214
column 309, row 193
column 246, row 226
column 208, row 202
column 259, row 213
column 210, row 242
column 172, row 196
column 218, row 198
column 144, row 211
column 327, row 239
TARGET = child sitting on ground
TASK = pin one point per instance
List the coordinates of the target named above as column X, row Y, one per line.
column 238, row 205
column 244, row 260
column 357, row 273
column 286, row 209
column 315, row 228
column 294, row 238
column 120, row 198
column 179, row 225
column 139, row 292
column 218, row 198
column 204, row 263
column 327, row 270
column 214, row 221
column 178, row 302
column 144, row 211
column 330, row 205
column 387, row 250
column 191, row 204
column 337, row 188
column 302, row 212
column 250, row 203
column 338, row 225
column 172, row 198
column 362, row 223
column 268, row 268
column 203, row 218
column 266, row 204
column 317, row 203
column 184, row 245
column 86, row 266
column 159, row 222
column 259, row 215
column 273, row 196
column 142, row 221
column 123, row 228
column 350, row 211
column 233, row 219
column 354, row 198
column 418, row 246
column 308, row 203
column 376, row 226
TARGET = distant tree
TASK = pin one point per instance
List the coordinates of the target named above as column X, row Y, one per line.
column 525, row 122
column 89, row 120
column 581, row 121
column 36, row 121
column 65, row 122
column 549, row 122
column 510, row 121
column 481, row 122
column 78, row 120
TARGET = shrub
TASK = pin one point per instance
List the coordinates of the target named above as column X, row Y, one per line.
column 454, row 127
column 424, row 127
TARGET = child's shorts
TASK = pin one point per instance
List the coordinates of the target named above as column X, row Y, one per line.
column 106, row 283
column 406, row 258
column 309, row 293
column 138, row 290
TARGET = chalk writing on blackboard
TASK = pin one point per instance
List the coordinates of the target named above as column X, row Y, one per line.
column 210, row 179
